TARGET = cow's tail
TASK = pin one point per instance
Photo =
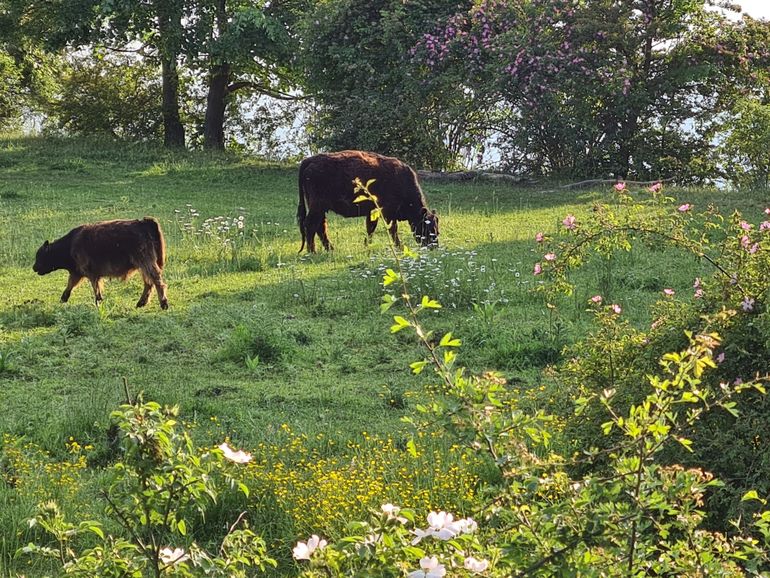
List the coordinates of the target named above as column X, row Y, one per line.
column 160, row 242
column 301, row 209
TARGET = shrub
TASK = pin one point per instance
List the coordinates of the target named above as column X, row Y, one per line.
column 728, row 298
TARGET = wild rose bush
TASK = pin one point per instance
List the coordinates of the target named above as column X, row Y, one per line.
column 633, row 516
column 159, row 487
column 728, row 296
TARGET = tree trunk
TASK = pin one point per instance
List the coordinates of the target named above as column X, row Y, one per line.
column 173, row 129
column 169, row 45
column 216, row 102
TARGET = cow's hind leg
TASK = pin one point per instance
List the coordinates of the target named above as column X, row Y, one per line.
column 96, row 283
column 73, row 281
column 152, row 276
column 323, row 232
column 313, row 223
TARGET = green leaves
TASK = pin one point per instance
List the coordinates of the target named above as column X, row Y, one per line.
column 390, row 277
column 399, row 324
column 449, row 341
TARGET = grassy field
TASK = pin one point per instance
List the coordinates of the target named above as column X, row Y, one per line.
column 259, row 339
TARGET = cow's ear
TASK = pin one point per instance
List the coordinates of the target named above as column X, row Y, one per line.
column 435, row 214
column 45, row 244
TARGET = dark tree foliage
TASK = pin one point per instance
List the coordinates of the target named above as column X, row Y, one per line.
column 29, row 56
column 241, row 46
column 119, row 99
column 358, row 62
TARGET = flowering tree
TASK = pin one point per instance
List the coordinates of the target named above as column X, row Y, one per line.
column 358, row 67
column 592, row 87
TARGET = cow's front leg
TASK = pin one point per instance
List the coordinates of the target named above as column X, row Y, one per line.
column 73, row 281
column 96, row 283
column 393, row 228
column 371, row 225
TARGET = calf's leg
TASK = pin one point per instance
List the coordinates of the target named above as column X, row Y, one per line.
column 151, row 274
column 73, row 281
column 96, row 283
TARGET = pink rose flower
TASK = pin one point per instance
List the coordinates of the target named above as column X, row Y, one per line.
column 684, row 208
column 596, row 299
column 619, row 187
column 655, row 188
column 538, row 269
column 550, row 256
column 569, row 222
column 668, row 292
column 745, row 241
column 539, row 237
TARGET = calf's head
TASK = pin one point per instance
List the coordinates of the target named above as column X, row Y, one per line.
column 426, row 229
column 45, row 261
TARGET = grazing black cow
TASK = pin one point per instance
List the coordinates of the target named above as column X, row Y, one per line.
column 326, row 183
column 108, row 249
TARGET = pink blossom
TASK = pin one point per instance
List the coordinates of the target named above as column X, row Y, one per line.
column 620, row 186
column 668, row 292
column 767, row 211
column 538, row 269
column 550, row 256
column 596, row 299
column 684, row 208
column 698, row 294
column 754, row 248
column 745, row 241
column 746, row 226
column 539, row 237
column 696, row 283
column 721, row 357
column 569, row 222
column 616, row 308
column 764, row 225
column 656, row 187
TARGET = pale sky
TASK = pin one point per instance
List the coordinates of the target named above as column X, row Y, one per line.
column 755, row 8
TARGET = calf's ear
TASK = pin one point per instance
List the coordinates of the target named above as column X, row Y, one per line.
column 45, row 244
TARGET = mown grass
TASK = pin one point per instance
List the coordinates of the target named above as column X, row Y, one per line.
column 258, row 336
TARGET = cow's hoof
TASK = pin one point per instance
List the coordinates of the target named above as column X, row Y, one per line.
column 164, row 305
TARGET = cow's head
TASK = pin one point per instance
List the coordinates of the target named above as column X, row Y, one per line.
column 426, row 229
column 44, row 260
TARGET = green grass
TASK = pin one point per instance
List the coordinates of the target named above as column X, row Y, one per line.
column 257, row 335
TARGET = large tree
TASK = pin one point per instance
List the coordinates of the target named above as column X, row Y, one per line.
column 592, row 87
column 358, row 61
column 154, row 30
column 242, row 46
